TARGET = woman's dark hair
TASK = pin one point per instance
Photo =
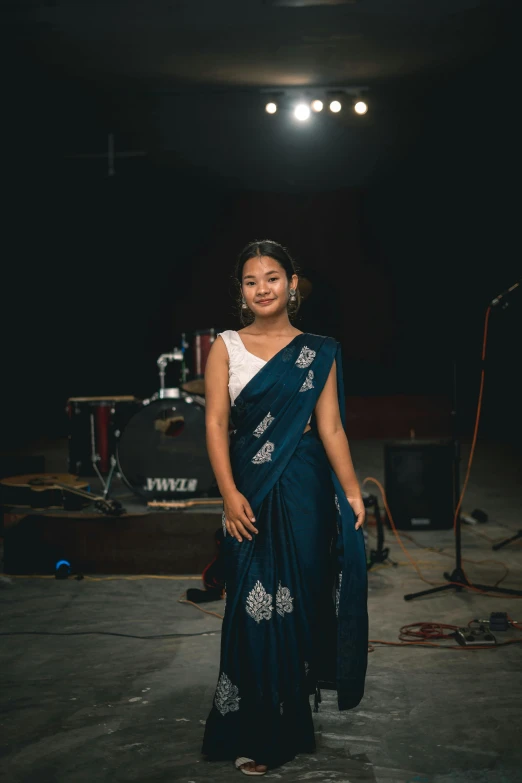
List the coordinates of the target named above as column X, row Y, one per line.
column 266, row 247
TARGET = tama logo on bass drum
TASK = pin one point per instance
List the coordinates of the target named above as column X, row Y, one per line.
column 171, row 484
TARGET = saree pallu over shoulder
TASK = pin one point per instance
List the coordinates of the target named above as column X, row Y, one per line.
column 272, row 410
column 296, row 595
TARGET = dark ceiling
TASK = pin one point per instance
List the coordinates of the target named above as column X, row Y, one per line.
column 173, row 86
column 179, row 81
column 176, row 44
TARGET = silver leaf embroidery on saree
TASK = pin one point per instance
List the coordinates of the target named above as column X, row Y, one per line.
column 308, row 382
column 226, row 699
column 306, row 357
column 284, row 601
column 338, row 594
column 264, row 454
column 224, row 524
column 261, row 427
column 259, row 603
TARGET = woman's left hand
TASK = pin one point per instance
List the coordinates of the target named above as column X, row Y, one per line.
column 357, row 505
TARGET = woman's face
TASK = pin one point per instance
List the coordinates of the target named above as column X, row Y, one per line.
column 265, row 285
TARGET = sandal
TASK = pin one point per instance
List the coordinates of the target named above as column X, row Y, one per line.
column 243, row 760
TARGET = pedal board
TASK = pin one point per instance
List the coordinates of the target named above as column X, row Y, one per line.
column 470, row 637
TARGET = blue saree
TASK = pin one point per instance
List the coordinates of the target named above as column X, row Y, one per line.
column 296, row 595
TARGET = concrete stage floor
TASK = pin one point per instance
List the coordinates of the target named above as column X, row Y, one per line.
column 111, row 679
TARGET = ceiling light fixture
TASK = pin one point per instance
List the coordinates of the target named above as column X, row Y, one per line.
column 302, row 112
column 360, row 107
column 303, row 100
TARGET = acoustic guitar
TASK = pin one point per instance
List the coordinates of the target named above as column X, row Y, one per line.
column 45, row 490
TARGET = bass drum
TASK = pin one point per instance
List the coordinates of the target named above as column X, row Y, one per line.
column 161, row 454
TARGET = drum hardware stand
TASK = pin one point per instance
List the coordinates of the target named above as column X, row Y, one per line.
column 176, row 356
column 379, row 555
column 95, row 458
column 107, row 484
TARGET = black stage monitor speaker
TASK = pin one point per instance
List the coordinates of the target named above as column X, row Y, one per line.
column 418, row 477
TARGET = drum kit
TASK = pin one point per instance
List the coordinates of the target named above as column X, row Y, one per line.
column 156, row 446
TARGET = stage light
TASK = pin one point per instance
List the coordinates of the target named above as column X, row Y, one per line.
column 303, row 102
column 302, row 112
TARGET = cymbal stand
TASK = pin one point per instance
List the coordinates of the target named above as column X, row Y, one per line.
column 162, row 362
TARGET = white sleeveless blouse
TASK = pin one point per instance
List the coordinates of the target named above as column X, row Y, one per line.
column 242, row 365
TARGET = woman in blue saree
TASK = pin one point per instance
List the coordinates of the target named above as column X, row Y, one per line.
column 294, row 555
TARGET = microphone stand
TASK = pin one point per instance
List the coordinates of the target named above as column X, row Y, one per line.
column 457, row 576
column 500, row 300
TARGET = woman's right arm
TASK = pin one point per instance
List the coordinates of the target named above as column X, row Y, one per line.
column 238, row 513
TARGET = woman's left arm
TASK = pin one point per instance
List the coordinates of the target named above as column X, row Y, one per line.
column 335, row 442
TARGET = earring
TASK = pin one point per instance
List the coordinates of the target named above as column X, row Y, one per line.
column 292, row 294
column 243, row 304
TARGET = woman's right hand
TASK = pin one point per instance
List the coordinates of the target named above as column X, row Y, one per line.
column 239, row 516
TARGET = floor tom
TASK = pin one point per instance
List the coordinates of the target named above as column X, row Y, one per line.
column 94, row 426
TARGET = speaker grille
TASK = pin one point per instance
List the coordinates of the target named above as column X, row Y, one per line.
column 419, row 484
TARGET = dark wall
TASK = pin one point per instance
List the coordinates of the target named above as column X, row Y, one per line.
column 444, row 215
column 408, row 222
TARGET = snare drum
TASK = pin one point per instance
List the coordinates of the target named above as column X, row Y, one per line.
column 94, row 425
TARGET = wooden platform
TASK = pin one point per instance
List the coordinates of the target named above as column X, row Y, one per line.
column 152, row 542
column 174, row 541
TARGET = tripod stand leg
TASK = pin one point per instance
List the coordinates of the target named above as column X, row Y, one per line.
column 507, row 541
column 458, row 576
column 411, row 596
column 107, row 484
